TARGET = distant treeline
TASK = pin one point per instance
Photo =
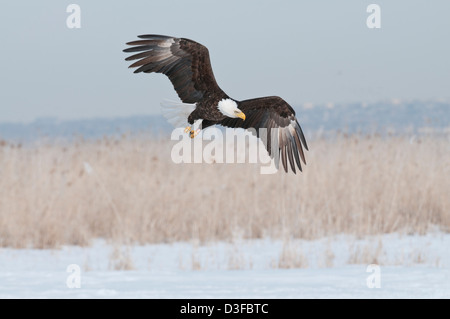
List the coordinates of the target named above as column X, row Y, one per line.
column 383, row 117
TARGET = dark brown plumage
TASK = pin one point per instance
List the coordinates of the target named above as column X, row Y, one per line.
column 283, row 133
column 187, row 64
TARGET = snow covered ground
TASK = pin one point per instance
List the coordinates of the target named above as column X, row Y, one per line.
column 409, row 267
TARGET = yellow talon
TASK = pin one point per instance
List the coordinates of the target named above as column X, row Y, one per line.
column 193, row 133
column 187, row 129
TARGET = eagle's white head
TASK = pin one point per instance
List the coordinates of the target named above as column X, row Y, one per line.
column 229, row 108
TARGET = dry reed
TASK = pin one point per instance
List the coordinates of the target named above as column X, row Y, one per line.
column 128, row 190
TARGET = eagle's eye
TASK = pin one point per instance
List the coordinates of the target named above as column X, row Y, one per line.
column 239, row 114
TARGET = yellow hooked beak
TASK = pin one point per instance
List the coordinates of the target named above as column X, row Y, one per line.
column 240, row 115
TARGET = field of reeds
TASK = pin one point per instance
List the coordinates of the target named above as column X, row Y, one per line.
column 128, row 190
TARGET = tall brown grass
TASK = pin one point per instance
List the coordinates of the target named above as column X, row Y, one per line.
column 128, row 190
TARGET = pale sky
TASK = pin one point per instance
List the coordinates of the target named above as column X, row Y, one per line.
column 304, row 51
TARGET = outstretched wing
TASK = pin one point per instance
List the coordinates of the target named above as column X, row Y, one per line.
column 185, row 62
column 275, row 123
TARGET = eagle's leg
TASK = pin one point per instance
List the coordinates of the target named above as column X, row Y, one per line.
column 193, row 133
column 195, row 129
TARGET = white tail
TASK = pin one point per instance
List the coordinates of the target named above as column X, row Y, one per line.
column 176, row 113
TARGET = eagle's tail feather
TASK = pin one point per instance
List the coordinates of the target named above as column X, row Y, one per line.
column 176, row 112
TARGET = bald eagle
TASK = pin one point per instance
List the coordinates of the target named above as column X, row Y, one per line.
column 187, row 64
